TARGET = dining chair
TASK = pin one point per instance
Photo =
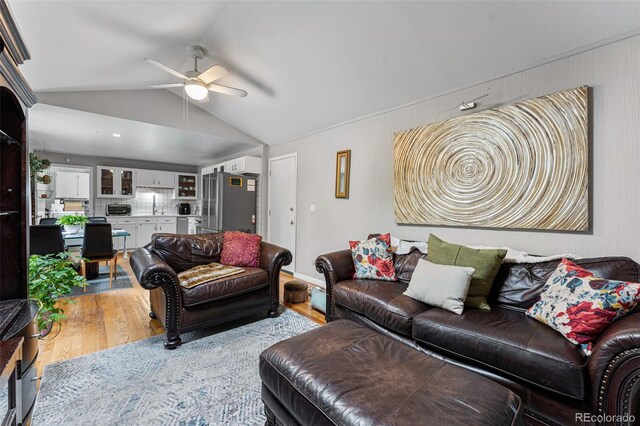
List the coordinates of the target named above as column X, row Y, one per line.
column 97, row 246
column 48, row 221
column 45, row 239
column 97, row 219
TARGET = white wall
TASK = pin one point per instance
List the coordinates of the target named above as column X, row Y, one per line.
column 611, row 71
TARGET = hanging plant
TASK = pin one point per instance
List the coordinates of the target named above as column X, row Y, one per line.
column 38, row 165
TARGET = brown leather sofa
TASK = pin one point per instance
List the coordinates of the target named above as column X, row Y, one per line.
column 185, row 309
column 554, row 379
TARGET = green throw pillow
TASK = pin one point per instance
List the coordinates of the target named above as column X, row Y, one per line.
column 486, row 263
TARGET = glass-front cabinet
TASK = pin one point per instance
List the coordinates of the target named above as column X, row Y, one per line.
column 126, row 182
column 106, row 182
column 186, row 186
column 115, row 182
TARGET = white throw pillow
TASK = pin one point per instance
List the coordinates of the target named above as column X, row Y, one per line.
column 399, row 246
column 444, row 286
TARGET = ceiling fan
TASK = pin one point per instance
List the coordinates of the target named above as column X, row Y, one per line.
column 198, row 84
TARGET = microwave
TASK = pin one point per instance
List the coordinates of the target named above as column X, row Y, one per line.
column 118, row 209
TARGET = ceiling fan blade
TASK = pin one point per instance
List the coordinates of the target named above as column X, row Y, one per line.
column 227, row 90
column 213, row 73
column 166, row 68
column 166, row 86
column 205, row 100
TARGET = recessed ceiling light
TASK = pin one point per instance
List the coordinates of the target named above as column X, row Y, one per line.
column 116, row 135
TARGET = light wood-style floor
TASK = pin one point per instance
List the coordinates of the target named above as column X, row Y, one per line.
column 105, row 320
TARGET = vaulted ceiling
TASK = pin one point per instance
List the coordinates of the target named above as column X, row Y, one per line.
column 306, row 65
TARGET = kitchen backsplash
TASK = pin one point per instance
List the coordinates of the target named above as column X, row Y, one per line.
column 143, row 203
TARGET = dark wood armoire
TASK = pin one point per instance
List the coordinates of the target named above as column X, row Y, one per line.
column 17, row 312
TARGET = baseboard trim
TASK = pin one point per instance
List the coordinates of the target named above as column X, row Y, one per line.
column 314, row 281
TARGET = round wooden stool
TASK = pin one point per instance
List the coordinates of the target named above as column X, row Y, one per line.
column 295, row 291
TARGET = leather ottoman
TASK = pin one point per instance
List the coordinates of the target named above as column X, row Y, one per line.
column 346, row 374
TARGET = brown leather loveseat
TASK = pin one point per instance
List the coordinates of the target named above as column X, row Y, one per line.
column 553, row 377
column 184, row 309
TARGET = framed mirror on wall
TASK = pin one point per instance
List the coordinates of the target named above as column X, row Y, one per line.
column 343, row 169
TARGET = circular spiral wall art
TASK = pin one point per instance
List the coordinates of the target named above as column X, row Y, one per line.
column 524, row 165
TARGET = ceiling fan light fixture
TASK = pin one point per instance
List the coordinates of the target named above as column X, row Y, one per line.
column 196, row 89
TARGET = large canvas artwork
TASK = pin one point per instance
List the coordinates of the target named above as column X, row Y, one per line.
column 517, row 166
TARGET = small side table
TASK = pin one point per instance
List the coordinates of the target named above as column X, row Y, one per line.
column 10, row 358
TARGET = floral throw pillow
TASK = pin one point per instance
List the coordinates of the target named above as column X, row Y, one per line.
column 580, row 305
column 373, row 258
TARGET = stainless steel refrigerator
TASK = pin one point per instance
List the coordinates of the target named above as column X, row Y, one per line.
column 228, row 203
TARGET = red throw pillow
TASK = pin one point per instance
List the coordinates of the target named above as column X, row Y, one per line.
column 241, row 249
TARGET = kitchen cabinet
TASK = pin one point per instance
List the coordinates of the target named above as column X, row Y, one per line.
column 118, row 243
column 145, row 232
column 126, row 182
column 130, row 225
column 246, row 164
column 186, row 186
column 145, row 177
column 166, row 179
column 72, row 185
column 155, row 179
column 115, row 182
column 84, row 186
column 141, row 229
column 167, row 225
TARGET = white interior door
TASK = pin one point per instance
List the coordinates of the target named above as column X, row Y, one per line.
column 282, row 204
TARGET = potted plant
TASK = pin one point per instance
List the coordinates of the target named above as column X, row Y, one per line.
column 37, row 165
column 52, row 277
column 72, row 224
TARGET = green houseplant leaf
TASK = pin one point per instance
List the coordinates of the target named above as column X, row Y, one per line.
column 52, row 277
column 72, row 220
column 36, row 166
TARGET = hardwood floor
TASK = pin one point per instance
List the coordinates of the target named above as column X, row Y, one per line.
column 105, row 320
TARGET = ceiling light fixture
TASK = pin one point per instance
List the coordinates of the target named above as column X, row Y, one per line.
column 196, row 89
column 116, row 135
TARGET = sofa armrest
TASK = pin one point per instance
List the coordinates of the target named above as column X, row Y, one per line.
column 336, row 267
column 150, row 269
column 272, row 259
column 614, row 368
column 153, row 272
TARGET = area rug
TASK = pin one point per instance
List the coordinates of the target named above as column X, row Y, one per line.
column 212, row 379
column 101, row 284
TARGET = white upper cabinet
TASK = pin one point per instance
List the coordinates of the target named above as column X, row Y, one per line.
column 72, row 185
column 145, row 177
column 115, row 182
column 252, row 165
column 155, row 179
column 84, row 186
column 166, row 179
